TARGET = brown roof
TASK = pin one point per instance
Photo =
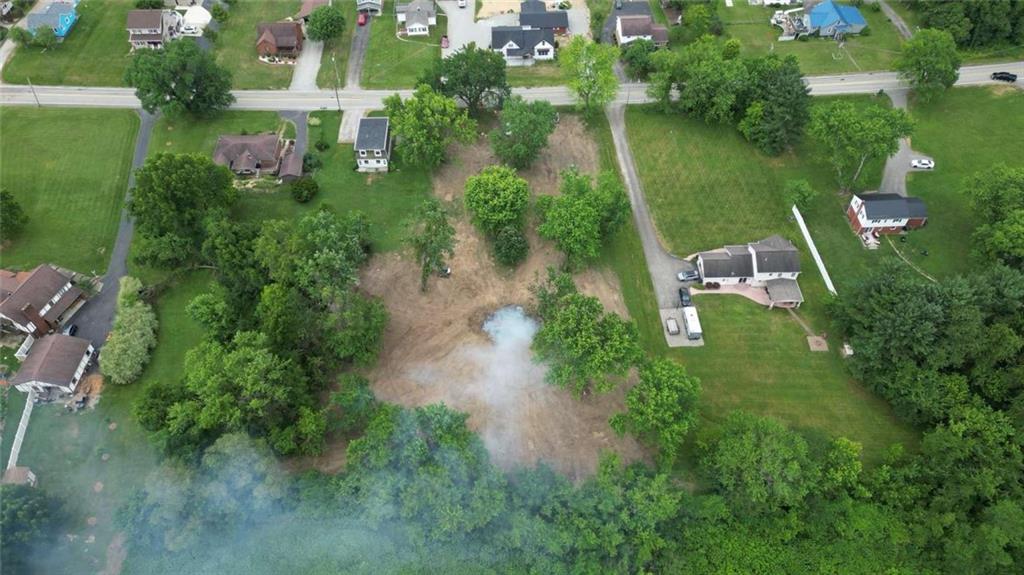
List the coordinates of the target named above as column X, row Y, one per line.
column 9, row 282
column 145, row 19
column 638, row 25
column 18, row 475
column 308, row 6
column 291, row 165
column 659, row 34
column 242, row 152
column 53, row 359
column 284, row 35
column 36, row 289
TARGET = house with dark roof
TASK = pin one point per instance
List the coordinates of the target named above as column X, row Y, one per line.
column 522, row 45
column 258, row 155
column 417, row 16
column 631, row 28
column 39, row 301
column 373, row 145
column 58, row 16
column 152, row 28
column 54, row 362
column 535, row 14
column 886, row 213
column 772, row 263
column 830, row 19
column 279, row 39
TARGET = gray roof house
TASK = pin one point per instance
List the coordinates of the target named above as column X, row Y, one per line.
column 893, row 206
column 772, row 263
column 418, row 16
column 534, row 13
column 373, row 145
column 520, row 44
column 57, row 361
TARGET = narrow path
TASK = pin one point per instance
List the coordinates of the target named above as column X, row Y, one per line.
column 896, row 19
column 301, row 121
column 97, row 315
column 306, row 67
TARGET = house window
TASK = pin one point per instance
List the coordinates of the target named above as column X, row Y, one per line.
column 362, row 153
column 376, row 153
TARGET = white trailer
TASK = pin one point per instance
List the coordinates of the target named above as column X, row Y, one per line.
column 692, row 323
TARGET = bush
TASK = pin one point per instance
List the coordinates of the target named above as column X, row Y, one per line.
column 311, row 162
column 127, row 350
column 304, row 189
column 321, row 145
column 875, row 7
column 149, row 4
column 866, row 32
column 510, row 246
column 219, row 13
column 313, row 121
column 211, row 35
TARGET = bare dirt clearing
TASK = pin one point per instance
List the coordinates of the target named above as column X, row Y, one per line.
column 435, row 349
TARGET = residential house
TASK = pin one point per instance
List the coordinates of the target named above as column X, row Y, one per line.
column 38, row 301
column 885, row 214
column 54, row 362
column 282, row 39
column 373, row 145
column 152, row 28
column 535, row 14
column 258, row 155
column 830, row 19
column 370, row 6
column 58, row 16
column 772, row 263
column 639, row 27
column 307, row 8
column 521, row 45
column 418, row 16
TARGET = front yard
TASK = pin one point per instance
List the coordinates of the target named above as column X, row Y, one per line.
column 397, row 62
column 540, row 74
column 69, row 171
column 236, row 46
column 95, row 53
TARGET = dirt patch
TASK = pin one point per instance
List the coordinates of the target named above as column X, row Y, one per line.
column 112, row 426
column 424, row 354
column 116, row 554
column 91, row 521
column 98, row 486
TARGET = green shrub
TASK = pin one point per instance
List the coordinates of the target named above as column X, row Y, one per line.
column 510, row 246
column 304, row 189
column 311, row 162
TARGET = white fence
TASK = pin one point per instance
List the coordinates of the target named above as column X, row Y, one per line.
column 814, row 251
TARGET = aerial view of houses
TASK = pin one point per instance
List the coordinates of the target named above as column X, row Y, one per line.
column 507, row 286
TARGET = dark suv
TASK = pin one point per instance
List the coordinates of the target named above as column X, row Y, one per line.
column 1004, row 77
column 684, row 297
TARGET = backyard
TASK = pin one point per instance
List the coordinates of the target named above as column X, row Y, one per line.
column 69, row 171
column 236, row 45
column 95, row 52
column 873, row 51
column 393, row 62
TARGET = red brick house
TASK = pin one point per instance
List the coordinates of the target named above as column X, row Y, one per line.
column 279, row 39
column 886, row 213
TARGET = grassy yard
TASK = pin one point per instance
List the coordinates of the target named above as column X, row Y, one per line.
column 540, row 74
column 393, row 62
column 66, row 450
column 750, row 25
column 986, row 131
column 706, row 187
column 69, row 171
column 327, row 76
column 236, row 46
column 95, row 52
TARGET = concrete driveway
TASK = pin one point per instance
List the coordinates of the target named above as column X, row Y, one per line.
column 306, row 67
column 462, row 30
column 897, row 166
column 579, row 20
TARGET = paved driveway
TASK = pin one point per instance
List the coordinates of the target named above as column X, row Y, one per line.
column 462, row 29
column 306, row 67
column 579, row 20
column 897, row 166
column 356, row 55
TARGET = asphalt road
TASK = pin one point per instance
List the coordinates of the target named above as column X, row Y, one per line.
column 276, row 100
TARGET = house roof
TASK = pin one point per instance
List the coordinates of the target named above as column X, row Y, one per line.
column 892, row 207
column 36, row 289
column 532, row 6
column 637, row 25
column 308, row 6
column 291, row 165
column 18, row 475
column 419, row 16
column 372, row 134
column 280, row 34
column 776, row 254
column 659, row 34
column 784, row 291
column 420, row 6
column 535, row 14
column 525, row 38
column 145, row 19
column 828, row 13
column 727, row 263
column 242, row 152
column 53, row 359
column 197, row 16
column 49, row 16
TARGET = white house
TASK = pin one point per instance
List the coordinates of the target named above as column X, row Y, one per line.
column 418, row 16
column 772, row 263
column 370, row 6
column 521, row 44
column 639, row 27
column 38, row 301
column 373, row 145
column 54, row 362
column 886, row 213
column 152, row 28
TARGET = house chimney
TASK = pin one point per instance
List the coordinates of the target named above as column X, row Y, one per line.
column 41, row 325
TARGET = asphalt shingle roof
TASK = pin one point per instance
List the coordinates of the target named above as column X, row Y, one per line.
column 372, row 134
column 892, row 207
column 53, row 359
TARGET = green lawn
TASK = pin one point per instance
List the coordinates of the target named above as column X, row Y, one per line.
column 393, row 62
column 750, row 25
column 69, row 171
column 183, row 135
column 328, row 76
column 236, row 46
column 967, row 130
column 540, row 74
column 95, row 52
column 706, row 187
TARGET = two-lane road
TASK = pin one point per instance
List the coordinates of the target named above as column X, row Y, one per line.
column 277, row 100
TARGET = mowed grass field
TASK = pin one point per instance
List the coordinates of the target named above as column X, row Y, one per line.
column 876, row 51
column 69, row 171
column 706, row 187
column 236, row 46
column 393, row 62
column 95, row 52
column 540, row 74
column 339, row 48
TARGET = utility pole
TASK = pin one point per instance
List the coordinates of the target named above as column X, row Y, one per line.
column 34, row 95
column 337, row 81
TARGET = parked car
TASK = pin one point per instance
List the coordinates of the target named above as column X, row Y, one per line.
column 618, row 4
column 444, row 41
column 71, row 329
column 684, row 297
column 672, row 326
column 688, row 276
column 922, row 164
column 1004, row 77
column 362, row 19
column 462, row 3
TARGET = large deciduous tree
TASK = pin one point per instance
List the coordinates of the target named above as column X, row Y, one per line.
column 662, row 407
column 432, row 239
column 583, row 216
column 181, row 78
column 779, row 104
column 173, row 195
column 522, row 131
column 930, row 62
column 997, row 195
column 427, row 123
column 474, row 75
column 850, row 136
column 12, row 217
column 590, row 70
column 496, row 198
column 325, row 23
column 30, row 522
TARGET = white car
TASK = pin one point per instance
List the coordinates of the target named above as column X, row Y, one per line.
column 922, row 164
column 462, row 3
